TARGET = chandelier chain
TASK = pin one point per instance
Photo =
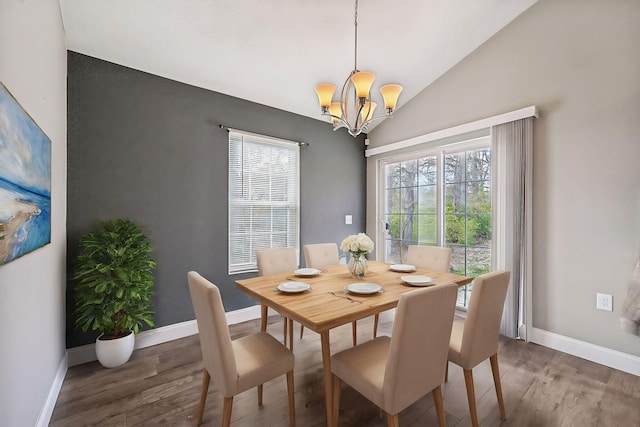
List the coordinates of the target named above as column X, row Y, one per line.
column 355, row 55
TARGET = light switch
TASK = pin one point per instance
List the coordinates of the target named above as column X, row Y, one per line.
column 348, row 219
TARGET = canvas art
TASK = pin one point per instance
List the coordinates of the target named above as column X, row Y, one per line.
column 25, row 181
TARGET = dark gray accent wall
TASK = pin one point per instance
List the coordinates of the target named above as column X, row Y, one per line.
column 150, row 149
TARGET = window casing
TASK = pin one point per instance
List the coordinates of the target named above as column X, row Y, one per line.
column 263, row 197
column 440, row 197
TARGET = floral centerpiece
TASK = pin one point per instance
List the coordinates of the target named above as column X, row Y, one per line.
column 358, row 245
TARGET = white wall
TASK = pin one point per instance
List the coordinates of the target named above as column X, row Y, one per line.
column 580, row 65
column 32, row 288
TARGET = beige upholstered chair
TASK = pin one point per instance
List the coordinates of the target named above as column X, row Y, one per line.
column 432, row 257
column 321, row 254
column 274, row 261
column 394, row 372
column 475, row 339
column 236, row 365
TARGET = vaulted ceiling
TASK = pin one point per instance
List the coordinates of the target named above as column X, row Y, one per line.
column 274, row 52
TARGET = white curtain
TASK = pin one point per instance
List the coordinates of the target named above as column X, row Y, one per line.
column 512, row 155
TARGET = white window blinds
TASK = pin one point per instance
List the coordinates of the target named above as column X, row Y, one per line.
column 263, row 197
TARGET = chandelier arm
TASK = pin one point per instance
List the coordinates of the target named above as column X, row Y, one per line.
column 340, row 120
column 358, row 114
column 383, row 116
column 340, row 124
column 344, row 100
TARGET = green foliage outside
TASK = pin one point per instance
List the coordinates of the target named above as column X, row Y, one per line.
column 113, row 279
column 472, row 270
column 470, row 229
column 469, row 224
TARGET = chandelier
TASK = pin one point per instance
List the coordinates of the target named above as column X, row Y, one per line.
column 355, row 109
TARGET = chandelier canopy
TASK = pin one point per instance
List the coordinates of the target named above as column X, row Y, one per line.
column 355, row 108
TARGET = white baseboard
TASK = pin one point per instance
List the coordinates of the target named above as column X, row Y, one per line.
column 87, row 353
column 44, row 418
column 602, row 355
column 243, row 315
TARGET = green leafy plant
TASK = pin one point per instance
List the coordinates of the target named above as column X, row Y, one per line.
column 113, row 279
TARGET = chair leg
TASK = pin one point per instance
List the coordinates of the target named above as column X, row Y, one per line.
column 203, row 396
column 290, row 334
column 496, row 380
column 292, row 402
column 226, row 411
column 336, row 401
column 301, row 330
column 446, row 372
column 471, row 396
column 375, row 325
column 263, row 317
column 393, row 420
column 260, row 388
column 439, row 404
column 284, row 332
column 354, row 333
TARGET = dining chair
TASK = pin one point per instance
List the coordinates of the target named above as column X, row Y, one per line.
column 320, row 255
column 475, row 338
column 274, row 261
column 435, row 258
column 394, row 372
column 237, row 365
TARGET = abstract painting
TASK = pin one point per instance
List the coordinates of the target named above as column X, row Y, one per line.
column 25, row 181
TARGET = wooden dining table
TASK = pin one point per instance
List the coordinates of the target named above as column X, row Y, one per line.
column 327, row 305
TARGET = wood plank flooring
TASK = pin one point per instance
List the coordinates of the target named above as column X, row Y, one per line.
column 161, row 385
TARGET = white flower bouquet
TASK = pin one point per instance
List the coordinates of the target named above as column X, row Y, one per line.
column 358, row 244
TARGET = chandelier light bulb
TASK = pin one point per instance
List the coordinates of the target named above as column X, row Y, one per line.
column 363, row 80
column 325, row 93
column 390, row 94
column 367, row 110
column 335, row 110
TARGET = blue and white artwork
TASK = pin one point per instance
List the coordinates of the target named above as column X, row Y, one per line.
column 25, row 181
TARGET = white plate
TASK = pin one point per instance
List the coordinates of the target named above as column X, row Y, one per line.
column 306, row 272
column 403, row 268
column 363, row 288
column 293, row 287
column 417, row 280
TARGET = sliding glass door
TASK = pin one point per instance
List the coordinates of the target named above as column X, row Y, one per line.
column 441, row 197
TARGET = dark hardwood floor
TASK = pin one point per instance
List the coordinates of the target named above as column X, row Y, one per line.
column 161, row 385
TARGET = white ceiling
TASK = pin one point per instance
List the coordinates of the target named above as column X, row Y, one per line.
column 274, row 52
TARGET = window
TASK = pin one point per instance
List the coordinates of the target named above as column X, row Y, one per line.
column 467, row 217
column 441, row 197
column 411, row 205
column 263, row 197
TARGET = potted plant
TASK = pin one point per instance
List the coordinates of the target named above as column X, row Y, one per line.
column 113, row 283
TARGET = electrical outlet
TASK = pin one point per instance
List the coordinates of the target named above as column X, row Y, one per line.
column 604, row 302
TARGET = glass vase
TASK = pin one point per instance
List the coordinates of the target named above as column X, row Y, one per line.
column 358, row 265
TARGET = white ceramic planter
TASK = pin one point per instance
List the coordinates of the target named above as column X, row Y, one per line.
column 113, row 353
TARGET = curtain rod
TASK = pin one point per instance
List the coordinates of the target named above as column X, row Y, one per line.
column 511, row 116
column 244, row 132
